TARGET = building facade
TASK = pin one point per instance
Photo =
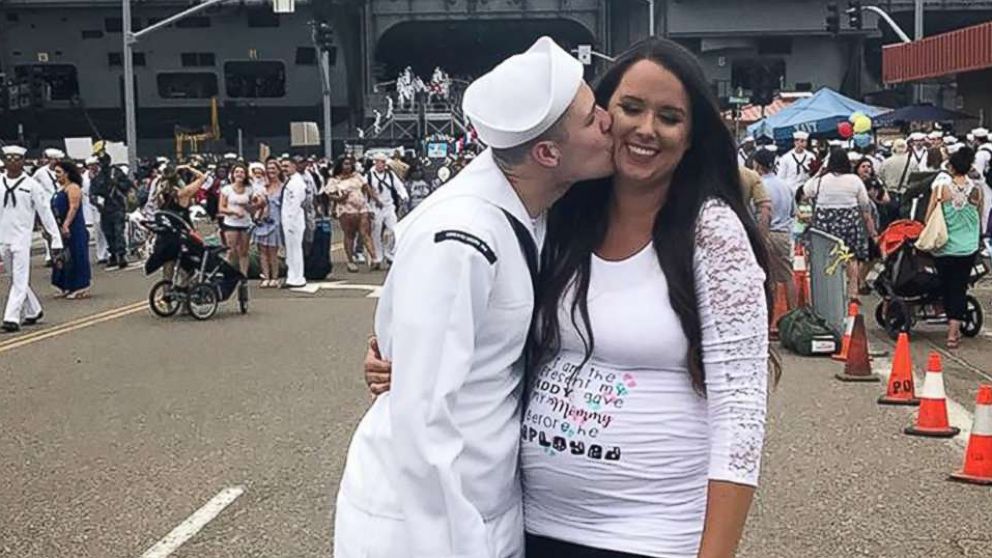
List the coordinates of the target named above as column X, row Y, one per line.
column 261, row 68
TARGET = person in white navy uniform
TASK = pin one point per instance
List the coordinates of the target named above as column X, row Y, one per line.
column 793, row 166
column 389, row 187
column 45, row 175
column 432, row 467
column 23, row 200
column 91, row 213
column 917, row 151
column 294, row 223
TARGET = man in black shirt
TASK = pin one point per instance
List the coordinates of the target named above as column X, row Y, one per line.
column 110, row 187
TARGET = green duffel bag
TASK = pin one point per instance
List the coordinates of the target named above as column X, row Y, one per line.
column 805, row 333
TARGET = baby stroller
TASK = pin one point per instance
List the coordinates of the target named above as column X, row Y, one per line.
column 908, row 283
column 201, row 279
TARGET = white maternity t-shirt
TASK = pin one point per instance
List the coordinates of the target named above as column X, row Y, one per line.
column 617, row 454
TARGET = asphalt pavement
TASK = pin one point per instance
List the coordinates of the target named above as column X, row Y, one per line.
column 122, row 432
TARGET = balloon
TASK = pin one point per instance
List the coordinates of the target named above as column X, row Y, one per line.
column 862, row 140
column 845, row 129
column 862, row 124
column 854, row 117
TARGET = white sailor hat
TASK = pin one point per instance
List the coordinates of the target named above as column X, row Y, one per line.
column 92, row 161
column 14, row 151
column 161, row 159
column 256, row 165
column 230, row 156
column 936, row 134
column 772, row 147
column 379, row 156
column 835, row 143
column 917, row 136
column 53, row 153
column 950, row 140
column 887, row 143
column 954, row 148
column 523, row 96
column 748, row 139
column 980, row 132
column 854, row 156
column 800, row 135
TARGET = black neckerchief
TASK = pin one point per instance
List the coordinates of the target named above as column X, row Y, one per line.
column 529, row 248
column 802, row 165
column 8, row 192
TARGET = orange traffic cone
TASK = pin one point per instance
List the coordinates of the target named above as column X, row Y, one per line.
column 932, row 419
column 781, row 308
column 858, row 366
column 902, row 389
column 978, row 457
column 852, row 311
column 800, row 276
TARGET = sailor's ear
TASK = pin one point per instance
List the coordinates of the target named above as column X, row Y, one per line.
column 547, row 154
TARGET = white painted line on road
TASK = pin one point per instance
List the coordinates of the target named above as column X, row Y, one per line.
column 957, row 415
column 189, row 528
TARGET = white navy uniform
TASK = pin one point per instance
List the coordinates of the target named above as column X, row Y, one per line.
column 23, row 199
column 793, row 168
column 433, row 464
column 92, row 216
column 384, row 218
column 46, row 177
column 917, row 160
column 294, row 224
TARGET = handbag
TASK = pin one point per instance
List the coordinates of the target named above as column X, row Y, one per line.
column 934, row 234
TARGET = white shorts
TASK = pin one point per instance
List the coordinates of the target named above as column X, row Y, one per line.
column 359, row 534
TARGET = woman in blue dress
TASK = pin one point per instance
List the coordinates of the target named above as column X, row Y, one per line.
column 72, row 275
column 268, row 226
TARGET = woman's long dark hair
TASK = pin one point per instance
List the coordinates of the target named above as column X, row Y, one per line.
column 71, row 171
column 577, row 224
column 339, row 164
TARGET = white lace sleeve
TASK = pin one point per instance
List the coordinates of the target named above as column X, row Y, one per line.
column 734, row 319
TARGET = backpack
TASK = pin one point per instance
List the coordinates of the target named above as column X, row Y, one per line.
column 805, row 333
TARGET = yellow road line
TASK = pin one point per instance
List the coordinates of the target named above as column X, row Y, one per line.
column 73, row 325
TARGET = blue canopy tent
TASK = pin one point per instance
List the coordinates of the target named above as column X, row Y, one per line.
column 818, row 115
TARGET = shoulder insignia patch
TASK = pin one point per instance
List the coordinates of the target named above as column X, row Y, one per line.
column 469, row 239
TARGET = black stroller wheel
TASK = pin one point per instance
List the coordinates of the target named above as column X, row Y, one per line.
column 243, row 298
column 897, row 318
column 972, row 325
column 162, row 300
column 202, row 301
column 880, row 314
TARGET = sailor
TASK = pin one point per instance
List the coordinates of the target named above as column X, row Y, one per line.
column 983, row 151
column 917, row 151
column 45, row 175
column 91, row 213
column 793, row 167
column 294, row 223
column 24, row 199
column 983, row 167
column 745, row 151
column 391, row 192
column 432, row 467
column 935, row 139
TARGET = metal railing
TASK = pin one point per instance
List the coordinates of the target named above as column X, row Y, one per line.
column 828, row 256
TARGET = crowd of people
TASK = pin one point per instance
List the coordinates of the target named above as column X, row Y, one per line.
column 265, row 212
column 855, row 193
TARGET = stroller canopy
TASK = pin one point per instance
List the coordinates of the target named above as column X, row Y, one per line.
column 898, row 233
